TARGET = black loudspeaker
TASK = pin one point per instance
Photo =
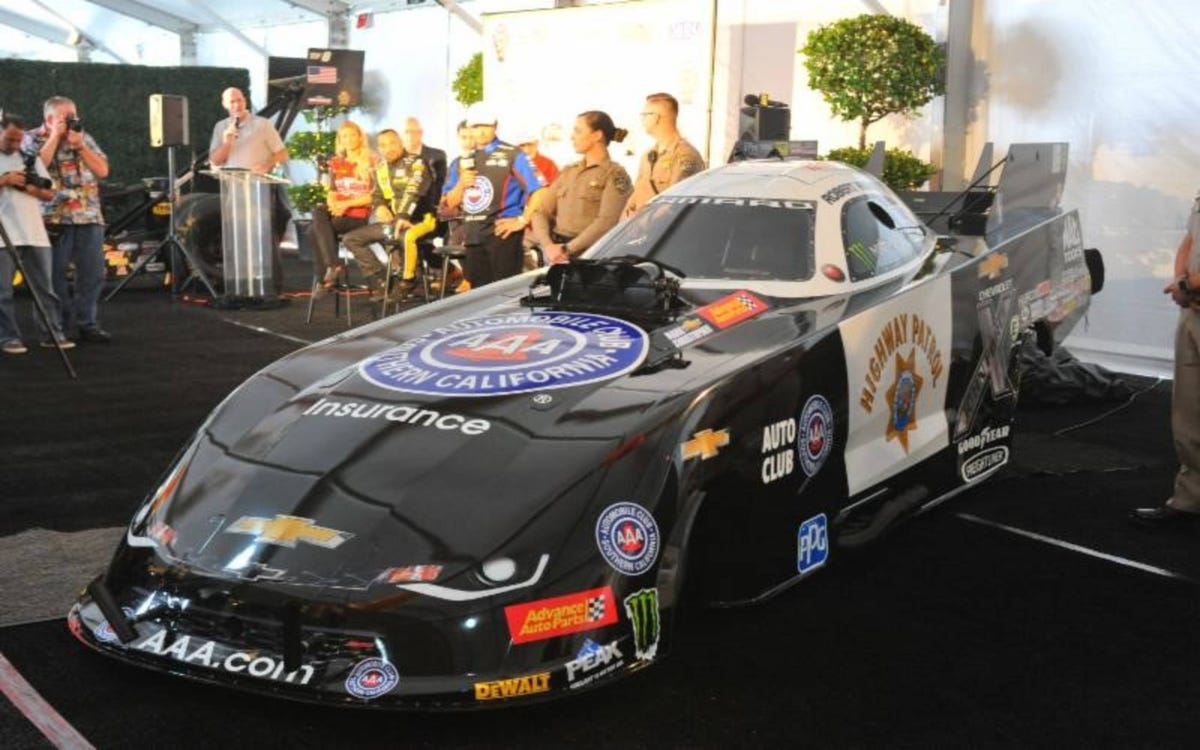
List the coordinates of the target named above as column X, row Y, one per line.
column 168, row 120
column 765, row 123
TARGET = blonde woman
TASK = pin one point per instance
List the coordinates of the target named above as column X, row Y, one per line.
column 347, row 204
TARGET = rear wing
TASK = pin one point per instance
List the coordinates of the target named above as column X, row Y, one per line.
column 1029, row 190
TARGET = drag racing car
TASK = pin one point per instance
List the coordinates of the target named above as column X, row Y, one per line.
column 503, row 496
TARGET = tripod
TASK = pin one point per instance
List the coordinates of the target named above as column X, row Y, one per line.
column 172, row 241
column 37, row 298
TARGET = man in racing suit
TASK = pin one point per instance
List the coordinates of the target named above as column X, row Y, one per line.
column 401, row 209
column 497, row 191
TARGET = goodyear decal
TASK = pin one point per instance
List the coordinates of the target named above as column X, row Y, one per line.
column 508, row 354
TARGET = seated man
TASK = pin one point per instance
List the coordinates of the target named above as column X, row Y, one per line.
column 402, row 180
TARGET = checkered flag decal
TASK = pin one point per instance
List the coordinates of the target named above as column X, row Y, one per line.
column 596, row 607
column 747, row 302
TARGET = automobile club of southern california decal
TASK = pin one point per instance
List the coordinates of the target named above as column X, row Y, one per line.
column 627, row 536
column 506, row 354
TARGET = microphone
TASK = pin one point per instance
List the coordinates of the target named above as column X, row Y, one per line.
column 751, row 100
column 652, row 157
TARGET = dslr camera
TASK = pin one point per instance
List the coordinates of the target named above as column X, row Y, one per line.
column 74, row 123
column 31, row 174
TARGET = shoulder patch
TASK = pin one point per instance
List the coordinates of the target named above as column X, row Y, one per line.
column 621, row 181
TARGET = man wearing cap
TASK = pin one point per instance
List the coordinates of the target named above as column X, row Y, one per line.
column 545, row 165
column 497, row 188
column 671, row 160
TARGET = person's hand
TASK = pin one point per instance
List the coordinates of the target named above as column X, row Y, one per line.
column 75, row 138
column 466, row 178
column 1178, row 296
column 14, row 179
column 230, row 133
column 556, row 253
column 262, row 167
column 58, row 127
column 505, row 227
column 401, row 225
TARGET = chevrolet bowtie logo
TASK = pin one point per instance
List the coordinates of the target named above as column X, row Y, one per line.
column 286, row 531
column 991, row 266
column 705, row 444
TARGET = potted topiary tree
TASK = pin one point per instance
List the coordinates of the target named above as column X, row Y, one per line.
column 869, row 67
column 468, row 81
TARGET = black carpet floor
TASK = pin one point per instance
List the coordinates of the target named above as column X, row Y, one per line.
column 956, row 632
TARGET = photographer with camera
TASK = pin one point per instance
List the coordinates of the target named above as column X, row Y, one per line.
column 73, row 215
column 24, row 182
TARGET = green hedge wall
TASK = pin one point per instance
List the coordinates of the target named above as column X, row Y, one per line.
column 113, row 102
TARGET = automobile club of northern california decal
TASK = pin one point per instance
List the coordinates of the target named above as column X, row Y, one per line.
column 506, row 354
column 627, row 536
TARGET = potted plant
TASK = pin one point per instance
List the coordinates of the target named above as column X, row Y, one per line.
column 868, row 67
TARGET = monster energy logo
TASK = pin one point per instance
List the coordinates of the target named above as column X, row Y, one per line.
column 863, row 255
column 642, row 608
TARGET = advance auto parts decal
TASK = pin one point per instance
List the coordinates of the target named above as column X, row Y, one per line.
column 897, row 366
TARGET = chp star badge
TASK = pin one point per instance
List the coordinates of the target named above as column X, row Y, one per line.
column 902, row 399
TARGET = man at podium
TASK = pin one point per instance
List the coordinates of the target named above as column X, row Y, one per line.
column 246, row 141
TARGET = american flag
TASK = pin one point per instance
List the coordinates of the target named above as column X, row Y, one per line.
column 322, row 74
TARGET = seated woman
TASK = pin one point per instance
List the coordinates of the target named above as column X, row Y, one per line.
column 586, row 199
column 347, row 204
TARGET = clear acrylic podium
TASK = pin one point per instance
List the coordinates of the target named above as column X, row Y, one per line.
column 246, row 239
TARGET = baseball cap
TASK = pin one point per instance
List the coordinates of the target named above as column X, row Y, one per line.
column 480, row 114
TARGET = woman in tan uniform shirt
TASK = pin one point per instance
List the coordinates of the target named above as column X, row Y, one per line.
column 586, row 199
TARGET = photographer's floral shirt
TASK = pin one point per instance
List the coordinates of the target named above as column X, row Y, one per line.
column 77, row 191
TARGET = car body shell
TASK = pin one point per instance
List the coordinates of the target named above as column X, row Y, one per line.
column 342, row 530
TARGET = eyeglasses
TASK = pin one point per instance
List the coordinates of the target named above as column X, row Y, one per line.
column 648, row 114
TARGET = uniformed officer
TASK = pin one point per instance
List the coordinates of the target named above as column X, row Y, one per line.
column 496, row 188
column 672, row 159
column 1183, row 507
column 402, row 205
column 586, row 199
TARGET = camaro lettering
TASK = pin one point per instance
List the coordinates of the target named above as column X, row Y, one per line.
column 511, row 688
column 903, row 330
column 326, row 407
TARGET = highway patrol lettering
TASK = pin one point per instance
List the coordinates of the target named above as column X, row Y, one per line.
column 327, row 407
column 254, row 664
column 906, row 329
column 513, row 687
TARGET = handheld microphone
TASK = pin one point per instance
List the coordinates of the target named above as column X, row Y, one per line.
column 652, row 157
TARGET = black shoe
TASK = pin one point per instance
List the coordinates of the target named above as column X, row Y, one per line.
column 1163, row 517
column 95, row 335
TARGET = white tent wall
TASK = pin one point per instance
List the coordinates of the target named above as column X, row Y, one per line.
column 1117, row 81
column 136, row 42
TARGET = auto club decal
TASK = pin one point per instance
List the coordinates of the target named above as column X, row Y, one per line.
column 478, row 196
column 627, row 536
column 372, row 678
column 507, row 354
column 810, row 437
column 906, row 343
